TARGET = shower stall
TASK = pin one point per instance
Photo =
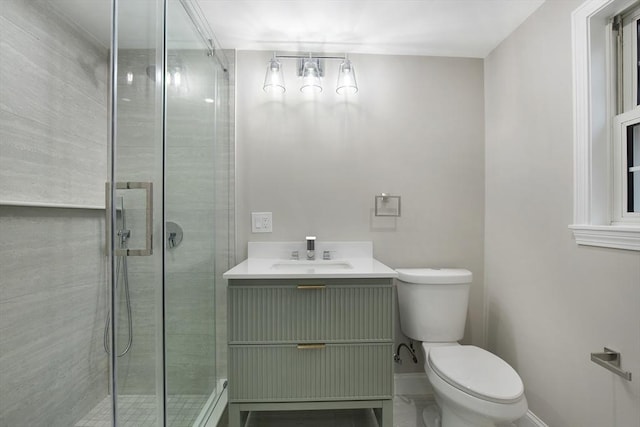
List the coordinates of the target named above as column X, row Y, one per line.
column 116, row 203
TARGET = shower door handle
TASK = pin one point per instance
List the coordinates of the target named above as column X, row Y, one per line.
column 148, row 189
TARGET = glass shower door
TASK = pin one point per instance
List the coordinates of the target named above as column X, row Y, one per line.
column 196, row 111
column 136, row 188
column 171, row 216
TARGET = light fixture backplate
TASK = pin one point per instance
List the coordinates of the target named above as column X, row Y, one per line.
column 319, row 62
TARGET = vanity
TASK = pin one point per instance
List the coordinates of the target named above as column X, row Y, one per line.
column 310, row 334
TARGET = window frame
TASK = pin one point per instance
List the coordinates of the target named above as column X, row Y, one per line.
column 621, row 216
column 629, row 69
column 594, row 110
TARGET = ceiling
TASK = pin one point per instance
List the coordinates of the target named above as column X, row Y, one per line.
column 462, row 28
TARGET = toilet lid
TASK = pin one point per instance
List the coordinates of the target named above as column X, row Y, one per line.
column 434, row 276
column 477, row 372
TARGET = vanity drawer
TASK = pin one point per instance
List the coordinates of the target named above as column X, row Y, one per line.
column 270, row 373
column 294, row 311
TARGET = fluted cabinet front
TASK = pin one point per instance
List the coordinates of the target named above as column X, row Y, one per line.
column 324, row 343
column 310, row 311
column 290, row 373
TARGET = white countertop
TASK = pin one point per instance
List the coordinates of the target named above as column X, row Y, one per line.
column 271, row 260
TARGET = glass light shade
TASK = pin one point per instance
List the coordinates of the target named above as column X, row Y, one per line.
column 346, row 79
column 311, row 77
column 274, row 80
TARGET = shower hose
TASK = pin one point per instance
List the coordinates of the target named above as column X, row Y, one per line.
column 121, row 267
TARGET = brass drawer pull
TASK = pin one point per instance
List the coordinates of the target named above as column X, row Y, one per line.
column 317, row 346
column 311, row 286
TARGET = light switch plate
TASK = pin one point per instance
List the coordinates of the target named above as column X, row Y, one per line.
column 261, row 222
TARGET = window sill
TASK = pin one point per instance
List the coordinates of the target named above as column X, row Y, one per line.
column 608, row 236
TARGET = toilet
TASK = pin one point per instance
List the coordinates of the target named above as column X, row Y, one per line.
column 472, row 387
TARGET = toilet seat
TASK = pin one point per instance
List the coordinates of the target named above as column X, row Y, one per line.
column 477, row 372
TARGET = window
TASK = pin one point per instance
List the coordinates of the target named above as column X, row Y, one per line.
column 626, row 139
column 606, row 124
column 626, row 125
column 633, row 165
column 626, row 27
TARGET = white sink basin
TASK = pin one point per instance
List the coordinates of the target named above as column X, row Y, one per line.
column 305, row 266
column 270, row 260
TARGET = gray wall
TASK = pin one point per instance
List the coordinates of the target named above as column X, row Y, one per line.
column 415, row 129
column 53, row 139
column 549, row 302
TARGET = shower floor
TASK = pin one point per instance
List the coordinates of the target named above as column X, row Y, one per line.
column 136, row 410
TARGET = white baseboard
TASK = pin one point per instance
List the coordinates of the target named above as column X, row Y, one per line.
column 416, row 383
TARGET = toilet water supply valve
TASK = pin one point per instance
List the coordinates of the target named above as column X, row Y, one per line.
column 396, row 356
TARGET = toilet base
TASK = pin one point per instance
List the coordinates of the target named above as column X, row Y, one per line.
column 455, row 418
column 431, row 416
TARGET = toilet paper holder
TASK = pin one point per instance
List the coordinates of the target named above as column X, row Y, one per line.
column 610, row 360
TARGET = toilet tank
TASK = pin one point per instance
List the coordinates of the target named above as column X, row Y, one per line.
column 433, row 303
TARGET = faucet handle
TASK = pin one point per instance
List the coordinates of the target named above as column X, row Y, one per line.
column 311, row 247
column 326, row 255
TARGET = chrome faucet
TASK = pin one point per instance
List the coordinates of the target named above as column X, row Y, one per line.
column 311, row 247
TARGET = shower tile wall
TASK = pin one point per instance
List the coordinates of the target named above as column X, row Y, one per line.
column 53, row 114
column 52, row 287
column 53, row 368
column 53, row 139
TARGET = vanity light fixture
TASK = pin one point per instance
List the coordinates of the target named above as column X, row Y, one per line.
column 346, row 78
column 310, row 69
column 311, row 76
column 274, row 80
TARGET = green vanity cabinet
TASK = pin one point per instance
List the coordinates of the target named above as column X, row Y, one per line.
column 310, row 344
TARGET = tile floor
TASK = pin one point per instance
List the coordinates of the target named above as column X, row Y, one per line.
column 140, row 411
